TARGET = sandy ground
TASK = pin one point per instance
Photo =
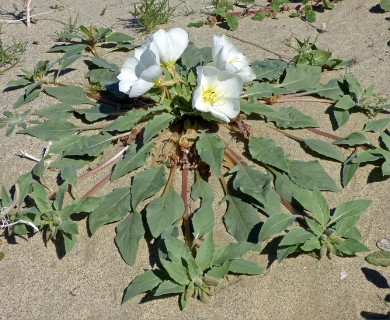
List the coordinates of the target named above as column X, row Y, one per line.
column 89, row 282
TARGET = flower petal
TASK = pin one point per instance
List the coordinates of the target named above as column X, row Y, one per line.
column 227, row 57
column 140, row 87
column 197, row 102
column 151, row 74
column 230, row 107
column 170, row 44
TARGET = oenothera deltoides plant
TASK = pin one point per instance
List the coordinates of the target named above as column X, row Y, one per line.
column 156, row 126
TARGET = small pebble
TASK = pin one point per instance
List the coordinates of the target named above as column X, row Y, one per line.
column 384, row 244
column 343, row 275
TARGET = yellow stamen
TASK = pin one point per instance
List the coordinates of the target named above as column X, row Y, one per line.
column 210, row 95
column 234, row 60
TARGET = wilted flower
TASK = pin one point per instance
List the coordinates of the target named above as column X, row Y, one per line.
column 141, row 72
column 227, row 57
column 170, row 45
column 217, row 92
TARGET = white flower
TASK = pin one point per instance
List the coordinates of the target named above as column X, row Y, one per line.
column 217, row 92
column 227, row 57
column 140, row 73
column 170, row 45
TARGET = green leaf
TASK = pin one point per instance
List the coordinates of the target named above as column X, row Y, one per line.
column 254, row 107
column 315, row 227
column 310, row 174
column 59, row 110
column 203, row 220
column 331, row 90
column 53, row 129
column 135, row 157
column 157, row 124
column 266, row 151
column 69, row 226
column 72, row 95
column 81, row 205
column 176, row 271
column 59, row 146
column 324, row 148
column 24, row 183
column 97, row 112
column 301, row 77
column 177, row 249
column 41, row 198
column 202, row 189
column 29, row 95
column 259, row 16
column 320, row 207
column 168, row 287
column 232, row 21
column 283, row 252
column 385, row 137
column 211, row 148
column 146, row 281
column 5, row 198
column 118, row 37
column 257, row 185
column 230, row 251
column 385, row 5
column 240, row 219
column 243, row 266
column 295, row 236
column 290, row 118
column 268, row 69
column 21, row 82
column 346, row 228
column 348, row 170
column 164, row 211
column 69, row 174
column 205, row 254
column 197, row 24
column 379, row 258
column 219, row 272
column 311, row 244
column 146, row 184
column 103, row 77
column 261, row 90
column 354, row 87
column 274, row 225
column 367, row 156
column 377, row 125
column 60, row 195
column 349, row 247
column 345, row 103
column 126, row 122
column 74, row 48
column 348, row 209
column 128, row 234
column 39, row 169
column 69, row 241
column 89, row 145
column 114, row 207
column 291, row 191
column 341, row 117
column 353, row 139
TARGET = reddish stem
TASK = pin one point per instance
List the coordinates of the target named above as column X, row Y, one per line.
column 96, row 187
column 323, row 133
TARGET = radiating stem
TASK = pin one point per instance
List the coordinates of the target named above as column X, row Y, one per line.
column 96, row 187
column 184, row 195
column 89, row 173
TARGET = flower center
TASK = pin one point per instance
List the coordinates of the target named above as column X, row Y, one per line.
column 210, row 95
column 234, row 60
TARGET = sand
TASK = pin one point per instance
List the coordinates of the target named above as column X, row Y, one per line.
column 89, row 282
